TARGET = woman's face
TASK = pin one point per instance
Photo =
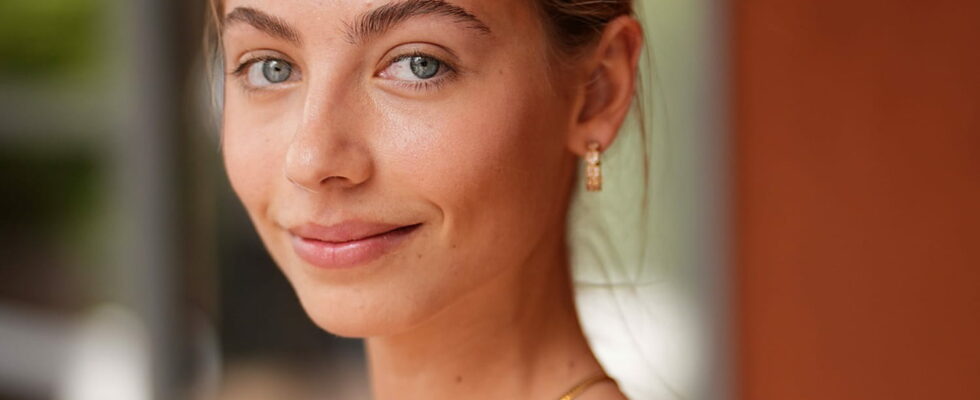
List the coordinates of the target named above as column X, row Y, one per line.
column 394, row 155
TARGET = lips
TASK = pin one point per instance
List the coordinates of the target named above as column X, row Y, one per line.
column 348, row 244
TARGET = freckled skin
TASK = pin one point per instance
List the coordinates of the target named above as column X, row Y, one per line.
column 481, row 161
column 484, row 159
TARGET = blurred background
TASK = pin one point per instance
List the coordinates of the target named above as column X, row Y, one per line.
column 128, row 270
column 841, row 190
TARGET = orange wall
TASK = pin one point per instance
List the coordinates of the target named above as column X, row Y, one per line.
column 857, row 204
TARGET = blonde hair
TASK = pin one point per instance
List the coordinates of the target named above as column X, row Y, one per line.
column 575, row 24
column 572, row 24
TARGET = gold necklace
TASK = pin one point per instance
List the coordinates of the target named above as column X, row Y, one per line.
column 581, row 387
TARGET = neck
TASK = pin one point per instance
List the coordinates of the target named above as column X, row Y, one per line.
column 515, row 337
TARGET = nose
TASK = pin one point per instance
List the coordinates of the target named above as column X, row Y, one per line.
column 327, row 150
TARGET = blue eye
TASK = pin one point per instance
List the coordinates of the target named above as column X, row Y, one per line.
column 424, row 67
column 269, row 72
column 415, row 68
column 276, row 70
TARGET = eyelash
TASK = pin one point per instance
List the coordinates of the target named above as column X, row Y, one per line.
column 242, row 69
column 247, row 63
column 415, row 85
column 427, row 84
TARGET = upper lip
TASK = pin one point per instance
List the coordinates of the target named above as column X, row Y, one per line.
column 346, row 231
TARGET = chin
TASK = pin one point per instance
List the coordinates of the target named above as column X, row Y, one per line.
column 359, row 312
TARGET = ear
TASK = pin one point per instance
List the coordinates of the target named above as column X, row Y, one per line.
column 606, row 85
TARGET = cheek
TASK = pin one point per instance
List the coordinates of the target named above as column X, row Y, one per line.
column 252, row 147
column 493, row 164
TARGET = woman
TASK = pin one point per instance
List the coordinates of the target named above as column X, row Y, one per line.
column 409, row 165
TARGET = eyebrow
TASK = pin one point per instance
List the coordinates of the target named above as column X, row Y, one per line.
column 373, row 23
column 271, row 25
column 386, row 17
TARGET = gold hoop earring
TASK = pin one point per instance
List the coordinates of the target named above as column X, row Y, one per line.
column 593, row 168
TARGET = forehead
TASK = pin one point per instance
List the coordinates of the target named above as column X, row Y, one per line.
column 513, row 16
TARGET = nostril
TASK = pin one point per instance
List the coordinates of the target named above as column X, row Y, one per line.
column 336, row 180
column 313, row 162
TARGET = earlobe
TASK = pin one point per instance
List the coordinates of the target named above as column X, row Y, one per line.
column 607, row 93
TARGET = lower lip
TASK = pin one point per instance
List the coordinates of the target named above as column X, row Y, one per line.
column 331, row 255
